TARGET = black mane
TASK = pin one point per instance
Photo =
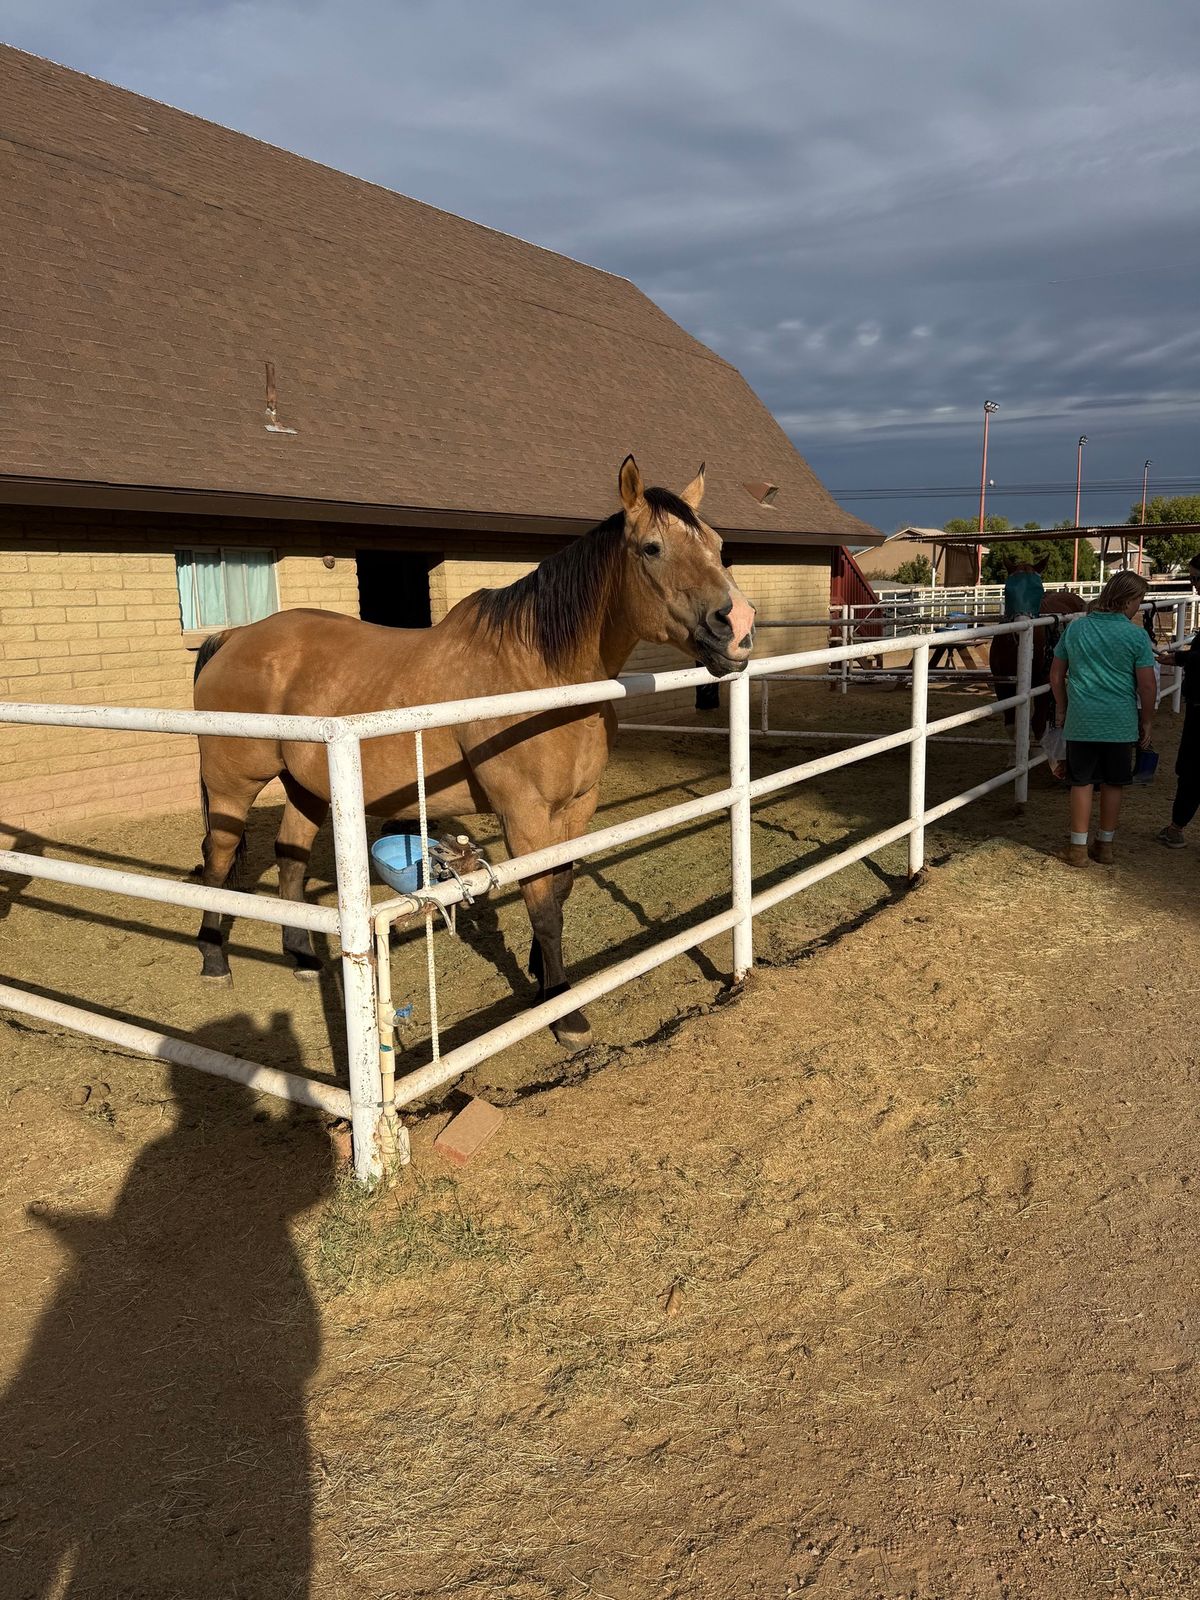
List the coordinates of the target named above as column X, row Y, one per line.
column 553, row 606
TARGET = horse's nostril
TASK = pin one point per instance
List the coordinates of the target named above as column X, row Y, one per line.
column 747, row 641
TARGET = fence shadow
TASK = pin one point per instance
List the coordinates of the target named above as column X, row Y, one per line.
column 155, row 1429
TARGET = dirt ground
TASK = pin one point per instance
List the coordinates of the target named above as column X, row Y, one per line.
column 879, row 1281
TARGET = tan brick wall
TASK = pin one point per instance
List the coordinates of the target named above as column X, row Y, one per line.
column 479, row 566
column 89, row 614
column 304, row 580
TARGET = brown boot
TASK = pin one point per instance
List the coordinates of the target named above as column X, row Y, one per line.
column 1075, row 855
column 1101, row 850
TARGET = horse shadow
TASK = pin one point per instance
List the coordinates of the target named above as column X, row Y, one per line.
column 155, row 1433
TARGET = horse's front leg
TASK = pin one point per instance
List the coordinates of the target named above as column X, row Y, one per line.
column 544, row 897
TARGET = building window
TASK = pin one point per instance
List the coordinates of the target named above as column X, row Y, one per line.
column 220, row 588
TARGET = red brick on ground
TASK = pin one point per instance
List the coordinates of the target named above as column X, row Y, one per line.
column 463, row 1134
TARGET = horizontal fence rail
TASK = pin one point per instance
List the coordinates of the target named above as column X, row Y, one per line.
column 362, row 926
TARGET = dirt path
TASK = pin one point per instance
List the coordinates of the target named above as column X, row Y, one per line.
column 880, row 1282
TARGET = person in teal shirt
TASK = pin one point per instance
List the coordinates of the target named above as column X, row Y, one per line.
column 1103, row 682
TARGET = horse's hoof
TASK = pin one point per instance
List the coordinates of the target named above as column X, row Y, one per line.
column 572, row 1033
column 306, row 974
column 217, row 980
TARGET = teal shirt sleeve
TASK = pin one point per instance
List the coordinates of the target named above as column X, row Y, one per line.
column 1060, row 649
column 1143, row 655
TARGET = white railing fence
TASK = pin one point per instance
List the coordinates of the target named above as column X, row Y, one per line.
column 890, row 622
column 375, row 1092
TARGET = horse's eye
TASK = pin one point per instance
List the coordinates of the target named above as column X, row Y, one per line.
column 652, row 549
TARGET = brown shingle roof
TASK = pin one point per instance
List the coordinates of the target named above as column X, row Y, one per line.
column 152, row 263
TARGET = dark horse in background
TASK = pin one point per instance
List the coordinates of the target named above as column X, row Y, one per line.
column 650, row 572
column 1025, row 596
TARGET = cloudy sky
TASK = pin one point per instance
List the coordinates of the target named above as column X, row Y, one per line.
column 882, row 214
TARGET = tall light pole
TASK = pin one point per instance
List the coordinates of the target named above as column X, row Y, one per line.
column 988, row 407
column 1078, row 489
column 1142, row 536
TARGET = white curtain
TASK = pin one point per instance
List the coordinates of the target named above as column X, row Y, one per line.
column 222, row 588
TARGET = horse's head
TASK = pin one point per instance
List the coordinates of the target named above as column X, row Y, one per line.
column 1024, row 589
column 679, row 593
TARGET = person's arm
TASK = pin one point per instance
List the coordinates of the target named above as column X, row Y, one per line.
column 1147, row 691
column 1058, row 687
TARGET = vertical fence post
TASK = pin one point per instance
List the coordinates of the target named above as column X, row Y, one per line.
column 917, row 752
column 739, row 825
column 1181, row 614
column 846, row 639
column 764, row 714
column 1024, row 717
column 358, row 952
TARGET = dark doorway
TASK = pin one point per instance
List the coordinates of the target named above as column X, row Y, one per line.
column 393, row 586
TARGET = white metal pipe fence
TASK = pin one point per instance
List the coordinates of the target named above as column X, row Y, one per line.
column 362, row 928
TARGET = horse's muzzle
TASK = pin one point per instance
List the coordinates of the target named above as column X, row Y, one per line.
column 725, row 638
column 713, row 654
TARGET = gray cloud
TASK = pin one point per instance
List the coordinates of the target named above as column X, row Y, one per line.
column 881, row 214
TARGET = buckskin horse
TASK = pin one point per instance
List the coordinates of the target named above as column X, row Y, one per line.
column 650, row 572
column 1025, row 596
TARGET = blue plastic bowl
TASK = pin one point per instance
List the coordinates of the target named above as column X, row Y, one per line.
column 396, row 858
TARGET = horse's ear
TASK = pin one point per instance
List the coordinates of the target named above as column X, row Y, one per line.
column 694, row 492
column 1040, row 566
column 633, row 492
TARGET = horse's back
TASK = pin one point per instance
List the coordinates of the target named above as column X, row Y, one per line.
column 305, row 662
column 1063, row 603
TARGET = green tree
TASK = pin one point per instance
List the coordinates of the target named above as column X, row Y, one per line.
column 971, row 525
column 914, row 572
column 1061, row 553
column 1168, row 550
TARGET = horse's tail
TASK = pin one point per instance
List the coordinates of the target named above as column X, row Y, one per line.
column 203, row 656
column 206, row 652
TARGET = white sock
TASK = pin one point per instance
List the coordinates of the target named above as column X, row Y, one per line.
column 1105, row 835
column 1079, row 838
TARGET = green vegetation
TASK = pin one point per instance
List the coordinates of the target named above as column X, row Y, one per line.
column 1168, row 550
column 916, row 571
column 1061, row 552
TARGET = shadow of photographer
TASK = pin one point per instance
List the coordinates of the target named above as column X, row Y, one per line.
column 154, row 1436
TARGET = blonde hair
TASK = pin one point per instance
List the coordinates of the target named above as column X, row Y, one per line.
column 1121, row 591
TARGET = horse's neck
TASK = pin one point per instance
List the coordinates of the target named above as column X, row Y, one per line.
column 616, row 637
column 607, row 643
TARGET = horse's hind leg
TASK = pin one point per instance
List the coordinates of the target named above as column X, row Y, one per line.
column 302, row 819
column 222, row 843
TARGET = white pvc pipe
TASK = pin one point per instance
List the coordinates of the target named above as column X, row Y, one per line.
column 917, row 758
column 947, row 806
column 808, row 735
column 516, row 868
column 1180, row 639
column 741, row 871
column 452, row 1065
column 1022, row 720
column 137, row 719
column 766, row 898
column 820, row 765
column 181, row 1052
column 142, row 886
column 358, row 953
column 845, row 673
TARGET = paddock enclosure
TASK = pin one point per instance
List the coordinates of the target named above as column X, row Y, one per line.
column 876, row 1281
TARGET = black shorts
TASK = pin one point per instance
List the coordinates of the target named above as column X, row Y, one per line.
column 1092, row 761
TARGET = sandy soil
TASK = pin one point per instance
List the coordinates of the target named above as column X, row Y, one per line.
column 880, row 1281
